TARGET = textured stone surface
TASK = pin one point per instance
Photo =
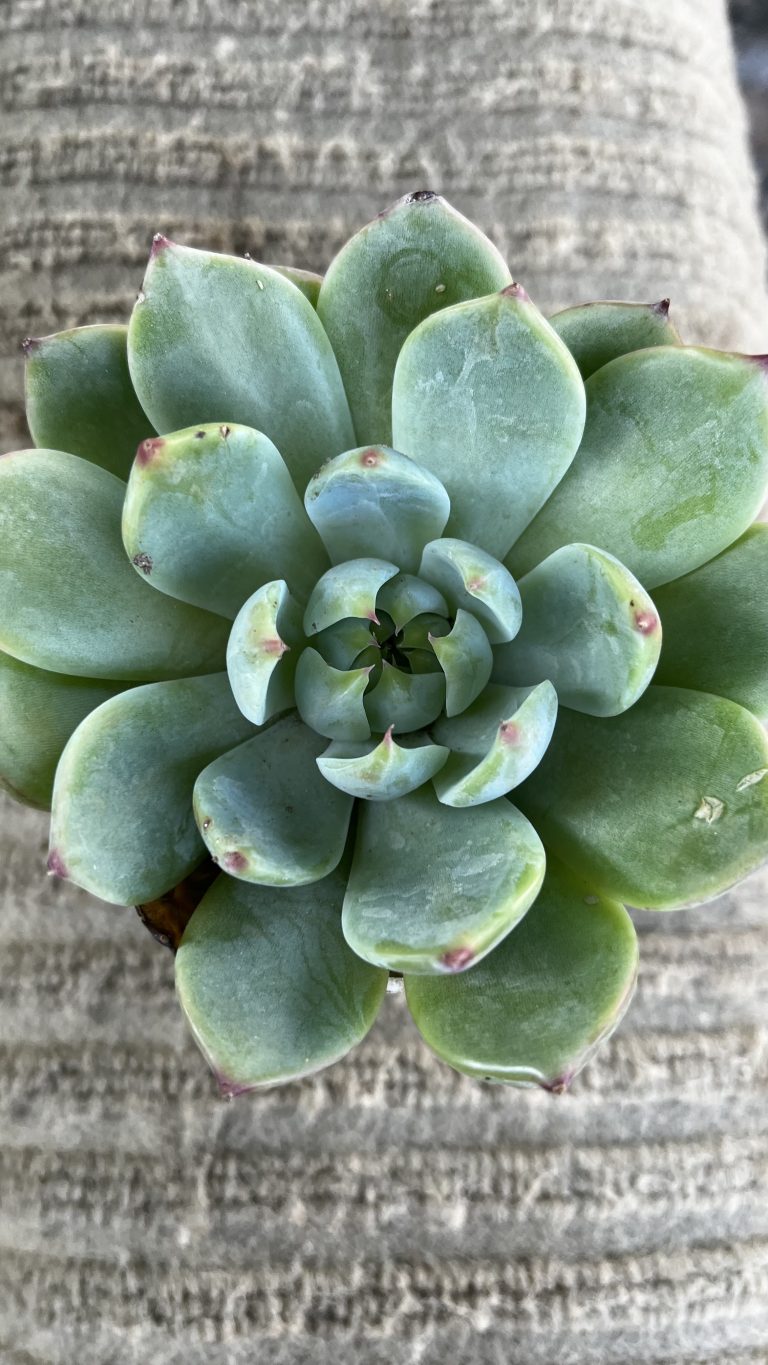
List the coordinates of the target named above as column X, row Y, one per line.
column 386, row 1210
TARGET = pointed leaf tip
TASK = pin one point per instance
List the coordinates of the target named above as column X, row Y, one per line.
column 662, row 307
column 148, row 449
column 29, row 345
column 56, row 865
column 159, row 243
column 515, row 290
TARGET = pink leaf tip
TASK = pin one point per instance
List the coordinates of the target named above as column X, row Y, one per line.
column 159, row 243
column 56, row 865
column 515, row 291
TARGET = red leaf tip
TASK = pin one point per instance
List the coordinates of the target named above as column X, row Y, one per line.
column 56, row 865
column 148, row 449
column 159, row 243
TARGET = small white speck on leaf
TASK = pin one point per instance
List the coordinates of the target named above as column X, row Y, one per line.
column 439, row 288
column 590, row 900
column 140, row 297
column 710, row 809
column 260, row 283
column 751, row 779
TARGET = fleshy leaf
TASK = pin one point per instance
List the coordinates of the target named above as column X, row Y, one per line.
column 38, row 713
column 211, row 513
column 268, row 985
column 535, row 1011
column 496, row 743
column 664, row 805
column 216, row 339
column 266, row 813
column 672, row 468
column 376, row 498
column 487, row 396
column 384, row 770
column 341, row 643
column 122, row 824
column 406, row 597
column 306, row 280
column 330, row 700
column 472, row 579
column 80, row 398
column 466, row 659
column 346, row 590
column 405, row 701
column 588, row 626
column 432, row 890
column 716, row 625
column 69, row 599
column 596, row 333
column 417, row 257
column 262, row 652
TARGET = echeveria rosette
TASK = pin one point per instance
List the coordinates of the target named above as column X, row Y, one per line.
column 370, row 625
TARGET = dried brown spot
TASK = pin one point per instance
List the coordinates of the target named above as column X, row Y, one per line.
column 199, row 435
column 167, row 917
column 456, row 959
column 419, row 197
column 143, row 561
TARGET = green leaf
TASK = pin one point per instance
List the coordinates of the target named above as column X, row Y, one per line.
column 211, row 513
column 596, row 333
column 466, row 658
column 269, row 987
column 265, row 812
column 341, row 643
column 346, row 590
column 374, row 496
column 217, row 339
column 330, row 700
column 433, row 889
column 38, row 713
column 383, row 770
column 497, row 742
column 122, row 824
column 662, row 806
column 672, row 468
column 404, row 701
column 588, row 626
column 716, row 625
column 306, row 280
column 487, row 396
column 80, row 397
column 406, row 598
column 417, row 257
column 69, row 599
column 262, row 652
column 472, row 579
column 534, row 1012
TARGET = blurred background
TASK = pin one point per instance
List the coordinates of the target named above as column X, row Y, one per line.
column 387, row 1210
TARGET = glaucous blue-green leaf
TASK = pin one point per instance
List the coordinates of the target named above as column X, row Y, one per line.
column 263, row 650
column 305, row 280
column 536, row 1009
column 664, row 805
column 268, row 985
column 673, row 466
column 69, row 599
column 488, row 398
column 588, row 626
column 216, row 339
column 472, row 579
column 405, row 701
column 38, row 713
column 341, row 643
column 406, row 597
column 384, row 769
column 431, row 889
column 266, row 813
column 716, row 625
column 598, row 332
column 346, row 590
column 417, row 634
column 415, row 258
column 374, row 498
column 330, row 700
column 496, row 743
column 211, row 513
column 122, row 825
column 466, row 659
column 80, row 398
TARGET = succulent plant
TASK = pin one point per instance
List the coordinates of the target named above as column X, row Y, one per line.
column 367, row 621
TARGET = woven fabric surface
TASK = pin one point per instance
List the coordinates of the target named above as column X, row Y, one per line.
column 387, row 1210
